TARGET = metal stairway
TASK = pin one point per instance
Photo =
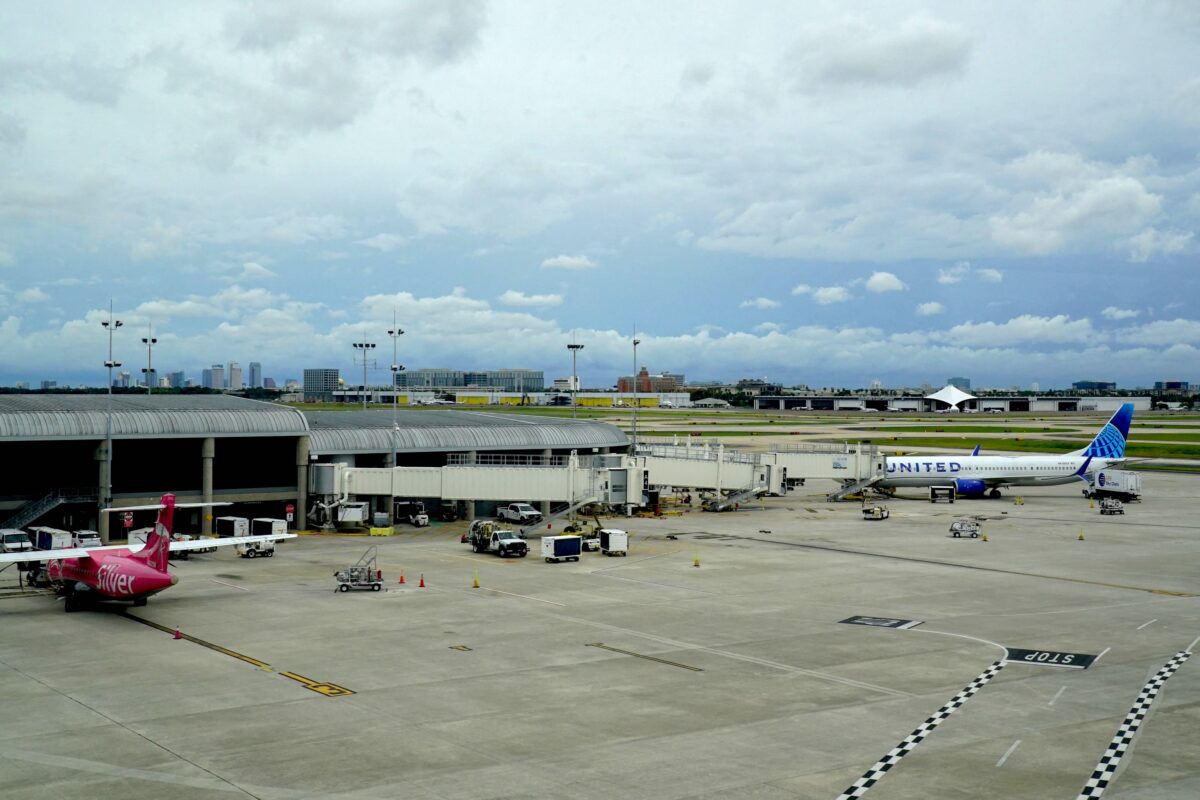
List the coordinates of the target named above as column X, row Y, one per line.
column 733, row 500
column 35, row 508
column 559, row 514
column 853, row 487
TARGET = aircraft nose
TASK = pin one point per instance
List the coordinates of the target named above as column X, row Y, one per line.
column 174, row 579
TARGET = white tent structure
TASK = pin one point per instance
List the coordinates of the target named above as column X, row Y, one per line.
column 951, row 395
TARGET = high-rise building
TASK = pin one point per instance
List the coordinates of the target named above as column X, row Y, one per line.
column 176, row 379
column 234, row 382
column 666, row 382
column 149, row 377
column 1094, row 386
column 268, row 383
column 319, row 384
column 49, row 385
column 962, row 383
column 216, row 377
column 1171, row 386
column 256, row 378
column 123, row 380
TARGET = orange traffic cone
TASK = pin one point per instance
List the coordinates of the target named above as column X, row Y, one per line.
column 178, row 635
column 421, row 585
column 401, row 578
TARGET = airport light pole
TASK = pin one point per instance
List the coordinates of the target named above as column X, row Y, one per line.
column 395, row 332
column 149, row 341
column 574, row 348
column 109, row 325
column 365, row 349
column 636, row 342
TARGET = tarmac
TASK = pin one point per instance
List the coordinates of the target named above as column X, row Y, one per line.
column 644, row 676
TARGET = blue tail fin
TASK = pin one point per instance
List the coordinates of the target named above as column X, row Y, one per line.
column 1110, row 442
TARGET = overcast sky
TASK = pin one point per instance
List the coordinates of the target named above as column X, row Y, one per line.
column 823, row 193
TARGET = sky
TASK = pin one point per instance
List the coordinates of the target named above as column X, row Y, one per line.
column 815, row 193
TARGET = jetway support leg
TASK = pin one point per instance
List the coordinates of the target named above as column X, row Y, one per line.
column 545, row 504
column 208, row 451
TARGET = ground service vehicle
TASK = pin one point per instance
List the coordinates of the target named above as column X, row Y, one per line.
column 86, row 539
column 501, row 541
column 965, row 527
column 521, row 513
column 410, row 511
column 561, row 548
column 14, row 541
column 1119, row 483
column 1111, row 505
column 876, row 512
column 364, row 574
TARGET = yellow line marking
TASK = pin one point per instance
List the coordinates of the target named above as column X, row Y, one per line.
column 327, row 689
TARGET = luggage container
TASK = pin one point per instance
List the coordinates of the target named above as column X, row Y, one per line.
column 45, row 538
column 614, row 542
column 1119, row 483
column 561, row 548
column 233, row 526
column 265, row 526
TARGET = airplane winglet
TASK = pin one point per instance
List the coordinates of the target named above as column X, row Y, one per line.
column 1081, row 473
column 975, row 452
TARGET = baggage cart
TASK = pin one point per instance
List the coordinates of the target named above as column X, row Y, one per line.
column 965, row 527
column 1111, row 505
column 614, row 542
column 561, row 548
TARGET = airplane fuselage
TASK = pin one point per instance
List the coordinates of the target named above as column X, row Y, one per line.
column 111, row 574
column 991, row 471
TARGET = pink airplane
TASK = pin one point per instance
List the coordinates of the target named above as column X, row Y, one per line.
column 120, row 572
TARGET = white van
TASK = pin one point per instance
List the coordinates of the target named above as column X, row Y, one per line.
column 86, row 539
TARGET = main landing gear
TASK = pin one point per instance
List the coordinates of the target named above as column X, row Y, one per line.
column 994, row 494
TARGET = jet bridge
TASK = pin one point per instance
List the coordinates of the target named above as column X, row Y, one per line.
column 617, row 479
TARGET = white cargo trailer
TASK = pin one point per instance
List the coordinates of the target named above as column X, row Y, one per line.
column 1119, row 483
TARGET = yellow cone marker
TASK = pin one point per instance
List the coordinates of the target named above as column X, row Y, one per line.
column 1081, row 534
column 985, row 537
column 475, row 584
column 695, row 559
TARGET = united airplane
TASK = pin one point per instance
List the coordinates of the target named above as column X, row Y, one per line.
column 118, row 572
column 976, row 475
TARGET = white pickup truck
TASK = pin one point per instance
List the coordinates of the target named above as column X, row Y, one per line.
column 520, row 513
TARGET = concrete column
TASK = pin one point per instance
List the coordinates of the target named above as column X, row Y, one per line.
column 472, row 456
column 208, row 451
column 302, row 453
column 546, row 503
column 101, row 456
column 389, row 461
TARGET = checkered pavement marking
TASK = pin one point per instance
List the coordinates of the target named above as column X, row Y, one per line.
column 1121, row 743
column 860, row 786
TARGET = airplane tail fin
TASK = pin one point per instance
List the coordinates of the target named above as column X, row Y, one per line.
column 1109, row 444
column 158, row 543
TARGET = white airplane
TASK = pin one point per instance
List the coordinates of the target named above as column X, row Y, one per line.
column 976, row 475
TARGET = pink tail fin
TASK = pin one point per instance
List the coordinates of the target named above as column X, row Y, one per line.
column 158, row 543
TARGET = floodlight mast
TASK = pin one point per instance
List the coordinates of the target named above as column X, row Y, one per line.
column 365, row 348
column 574, row 348
column 149, row 341
column 109, row 325
column 395, row 332
column 636, row 342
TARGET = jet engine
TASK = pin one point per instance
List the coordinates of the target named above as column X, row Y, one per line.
column 968, row 487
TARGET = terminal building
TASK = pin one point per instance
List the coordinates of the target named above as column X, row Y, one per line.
column 219, row 448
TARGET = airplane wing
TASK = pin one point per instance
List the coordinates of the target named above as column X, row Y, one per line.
column 46, row 555
column 228, row 541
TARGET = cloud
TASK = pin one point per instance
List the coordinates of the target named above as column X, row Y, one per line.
column 1083, row 201
column 252, row 270
column 761, row 303
column 158, row 240
column 568, row 262
column 989, row 275
column 384, row 242
column 1150, row 243
column 302, row 229
column 6, row 257
column 930, row 309
column 954, row 274
column 1025, row 329
column 854, row 53
column 881, row 282
column 515, row 298
column 831, row 294
column 802, row 288
column 32, row 295
column 1163, row 333
column 1112, row 312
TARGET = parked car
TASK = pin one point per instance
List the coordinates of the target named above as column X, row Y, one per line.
column 520, row 513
